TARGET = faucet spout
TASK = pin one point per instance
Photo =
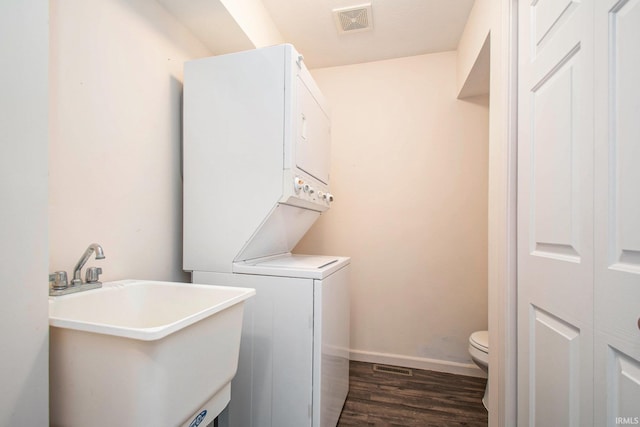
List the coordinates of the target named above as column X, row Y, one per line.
column 77, row 270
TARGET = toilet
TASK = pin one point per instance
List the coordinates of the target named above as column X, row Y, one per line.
column 479, row 351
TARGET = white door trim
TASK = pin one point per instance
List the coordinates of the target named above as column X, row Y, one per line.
column 502, row 214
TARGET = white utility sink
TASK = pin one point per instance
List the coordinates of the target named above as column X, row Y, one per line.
column 140, row 352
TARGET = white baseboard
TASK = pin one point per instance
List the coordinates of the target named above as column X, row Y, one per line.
column 468, row 369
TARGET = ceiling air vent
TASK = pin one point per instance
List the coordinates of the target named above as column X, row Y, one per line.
column 353, row 19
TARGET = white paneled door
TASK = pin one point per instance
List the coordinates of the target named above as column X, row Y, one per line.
column 555, row 214
column 579, row 213
column 617, row 212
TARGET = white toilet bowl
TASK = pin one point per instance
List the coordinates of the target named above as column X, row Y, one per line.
column 479, row 351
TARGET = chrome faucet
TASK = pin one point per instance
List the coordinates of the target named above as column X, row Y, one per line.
column 77, row 270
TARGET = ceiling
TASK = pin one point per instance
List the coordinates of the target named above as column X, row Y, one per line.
column 400, row 28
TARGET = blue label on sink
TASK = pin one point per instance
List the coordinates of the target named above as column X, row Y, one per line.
column 197, row 420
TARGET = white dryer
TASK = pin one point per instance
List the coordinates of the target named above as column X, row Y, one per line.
column 256, row 177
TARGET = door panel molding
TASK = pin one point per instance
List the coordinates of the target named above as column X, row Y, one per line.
column 555, row 348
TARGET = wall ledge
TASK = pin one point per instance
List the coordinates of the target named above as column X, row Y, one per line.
column 473, row 56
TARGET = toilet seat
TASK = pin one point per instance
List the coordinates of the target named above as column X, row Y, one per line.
column 480, row 341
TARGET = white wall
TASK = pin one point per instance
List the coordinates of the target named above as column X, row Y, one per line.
column 24, row 323
column 116, row 73
column 474, row 38
column 409, row 172
column 255, row 21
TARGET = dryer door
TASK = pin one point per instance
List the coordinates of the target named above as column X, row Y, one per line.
column 313, row 135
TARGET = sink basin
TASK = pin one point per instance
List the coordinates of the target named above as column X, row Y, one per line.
column 140, row 352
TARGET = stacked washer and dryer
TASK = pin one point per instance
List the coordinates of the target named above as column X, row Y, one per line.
column 256, row 177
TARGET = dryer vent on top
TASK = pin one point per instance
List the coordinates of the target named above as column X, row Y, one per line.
column 353, row 19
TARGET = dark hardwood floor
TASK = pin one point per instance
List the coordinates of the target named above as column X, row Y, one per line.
column 426, row 398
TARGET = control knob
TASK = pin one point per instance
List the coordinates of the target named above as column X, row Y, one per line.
column 308, row 189
column 328, row 197
column 298, row 183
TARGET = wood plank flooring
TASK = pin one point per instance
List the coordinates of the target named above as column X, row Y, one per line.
column 427, row 398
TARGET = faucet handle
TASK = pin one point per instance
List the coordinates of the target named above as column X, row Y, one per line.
column 58, row 280
column 93, row 274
